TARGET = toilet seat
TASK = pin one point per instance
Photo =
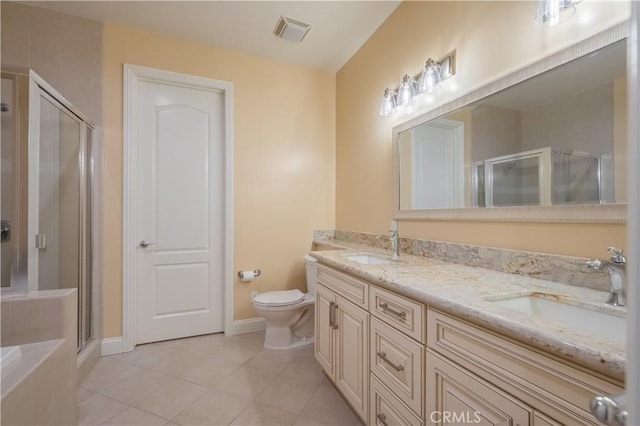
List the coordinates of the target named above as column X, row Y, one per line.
column 278, row 298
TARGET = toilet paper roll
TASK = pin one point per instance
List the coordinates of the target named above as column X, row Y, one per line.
column 248, row 276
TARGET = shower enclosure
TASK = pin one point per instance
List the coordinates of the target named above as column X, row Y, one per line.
column 543, row 176
column 46, row 193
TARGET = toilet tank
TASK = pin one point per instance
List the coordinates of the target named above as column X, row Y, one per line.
column 312, row 274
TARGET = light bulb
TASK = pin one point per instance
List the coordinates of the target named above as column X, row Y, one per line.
column 429, row 77
column 406, row 92
column 388, row 104
column 552, row 12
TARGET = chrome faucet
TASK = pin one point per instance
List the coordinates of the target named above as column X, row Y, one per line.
column 616, row 267
column 395, row 246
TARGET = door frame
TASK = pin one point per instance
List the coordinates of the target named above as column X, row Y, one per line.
column 132, row 74
column 632, row 381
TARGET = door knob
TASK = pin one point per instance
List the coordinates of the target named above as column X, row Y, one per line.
column 609, row 410
column 145, row 244
column 5, row 230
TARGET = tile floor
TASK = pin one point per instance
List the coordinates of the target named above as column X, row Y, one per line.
column 211, row 380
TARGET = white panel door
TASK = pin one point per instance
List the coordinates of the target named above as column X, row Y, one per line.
column 179, row 197
column 438, row 170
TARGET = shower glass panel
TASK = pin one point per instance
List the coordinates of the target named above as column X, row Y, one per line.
column 516, row 182
column 59, row 193
column 576, row 179
column 7, row 151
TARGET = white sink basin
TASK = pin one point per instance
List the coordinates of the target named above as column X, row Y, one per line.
column 368, row 259
column 606, row 324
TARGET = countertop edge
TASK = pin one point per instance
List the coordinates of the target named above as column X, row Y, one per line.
column 610, row 364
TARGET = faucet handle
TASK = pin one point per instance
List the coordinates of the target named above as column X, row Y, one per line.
column 594, row 264
column 616, row 255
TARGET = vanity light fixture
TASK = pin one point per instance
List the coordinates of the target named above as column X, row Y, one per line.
column 552, row 12
column 388, row 104
column 407, row 91
column 432, row 75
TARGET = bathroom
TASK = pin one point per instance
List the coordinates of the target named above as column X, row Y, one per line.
column 322, row 150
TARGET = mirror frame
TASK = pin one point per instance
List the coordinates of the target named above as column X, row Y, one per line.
column 585, row 213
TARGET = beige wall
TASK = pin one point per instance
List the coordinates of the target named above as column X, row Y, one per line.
column 284, row 167
column 491, row 39
column 64, row 50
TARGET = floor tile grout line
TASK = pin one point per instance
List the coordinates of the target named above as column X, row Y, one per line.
column 259, row 360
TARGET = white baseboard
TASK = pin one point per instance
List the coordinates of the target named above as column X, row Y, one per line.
column 112, row 346
column 115, row 345
column 250, row 325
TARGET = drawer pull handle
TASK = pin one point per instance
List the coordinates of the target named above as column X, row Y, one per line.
column 383, row 356
column 333, row 306
column 382, row 418
column 385, row 307
column 331, row 314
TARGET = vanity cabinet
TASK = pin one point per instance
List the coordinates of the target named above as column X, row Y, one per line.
column 399, row 362
column 342, row 336
column 470, row 368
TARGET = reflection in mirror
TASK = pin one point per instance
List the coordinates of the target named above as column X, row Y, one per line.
column 555, row 139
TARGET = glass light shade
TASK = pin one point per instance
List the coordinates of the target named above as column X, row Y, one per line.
column 552, row 12
column 406, row 92
column 388, row 104
column 429, row 77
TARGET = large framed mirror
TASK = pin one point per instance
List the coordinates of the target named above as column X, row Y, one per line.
column 546, row 143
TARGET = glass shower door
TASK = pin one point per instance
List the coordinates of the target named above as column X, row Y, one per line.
column 61, row 198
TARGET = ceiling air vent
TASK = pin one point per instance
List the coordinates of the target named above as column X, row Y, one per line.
column 291, row 29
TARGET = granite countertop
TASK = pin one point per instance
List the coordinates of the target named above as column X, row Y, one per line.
column 469, row 293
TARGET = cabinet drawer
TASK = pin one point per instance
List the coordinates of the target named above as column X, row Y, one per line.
column 399, row 312
column 542, row 381
column 458, row 396
column 398, row 362
column 354, row 290
column 387, row 410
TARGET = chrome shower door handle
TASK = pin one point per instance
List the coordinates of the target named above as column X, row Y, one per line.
column 5, row 229
column 145, row 244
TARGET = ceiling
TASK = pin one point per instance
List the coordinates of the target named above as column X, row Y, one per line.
column 580, row 75
column 338, row 28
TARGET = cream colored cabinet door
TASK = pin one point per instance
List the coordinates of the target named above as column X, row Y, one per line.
column 352, row 360
column 457, row 396
column 324, row 327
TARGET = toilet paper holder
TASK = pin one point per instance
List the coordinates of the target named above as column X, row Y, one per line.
column 256, row 273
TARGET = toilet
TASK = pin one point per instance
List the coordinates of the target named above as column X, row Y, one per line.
column 289, row 313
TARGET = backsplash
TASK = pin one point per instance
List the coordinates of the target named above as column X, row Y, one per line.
column 564, row 269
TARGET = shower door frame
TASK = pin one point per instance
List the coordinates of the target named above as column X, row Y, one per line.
column 28, row 86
